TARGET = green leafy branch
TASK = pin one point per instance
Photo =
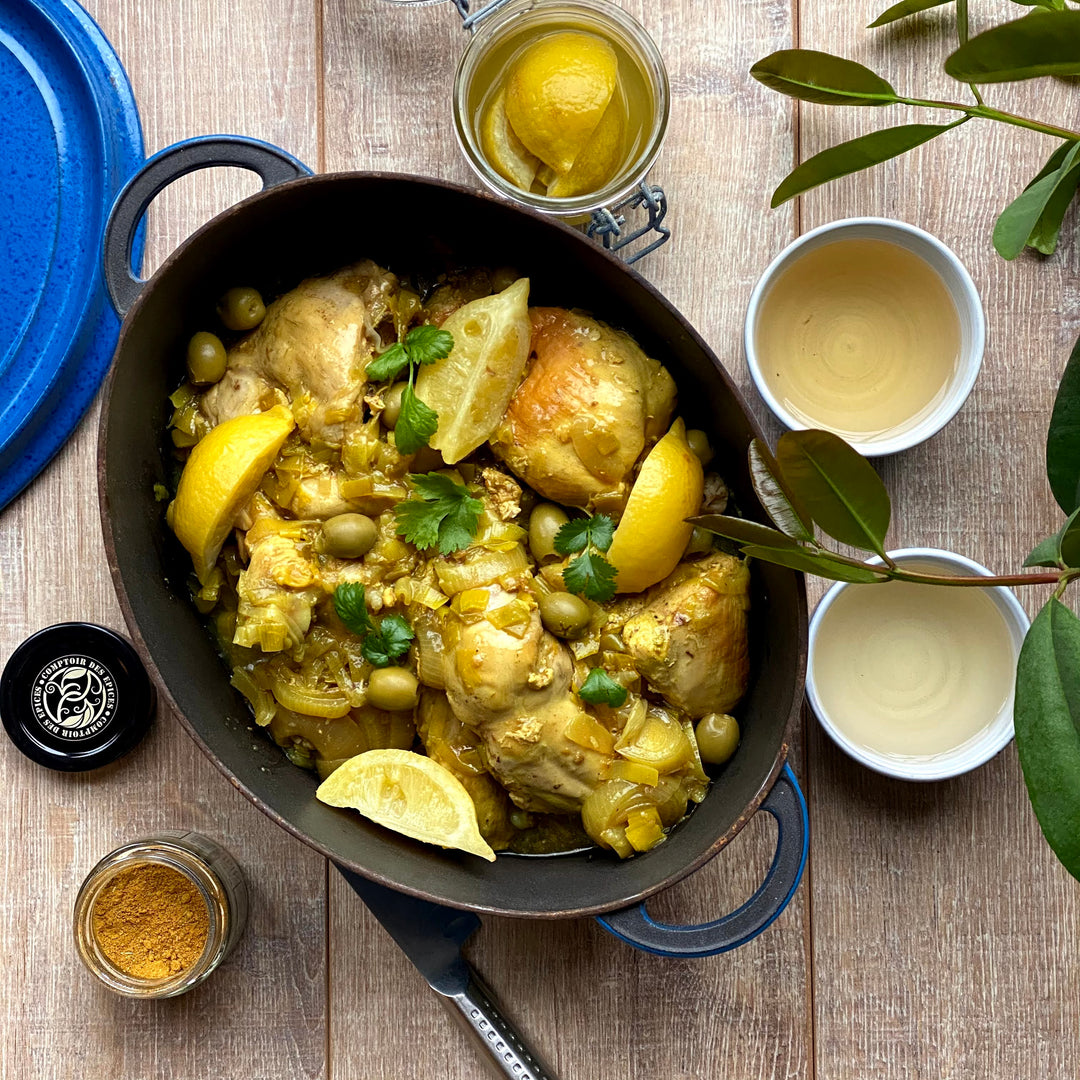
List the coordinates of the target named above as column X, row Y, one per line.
column 1044, row 42
column 817, row 481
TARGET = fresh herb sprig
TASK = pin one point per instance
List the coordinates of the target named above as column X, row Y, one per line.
column 817, row 479
column 382, row 642
column 1043, row 42
column 443, row 514
column 590, row 574
column 422, row 345
column 601, row 689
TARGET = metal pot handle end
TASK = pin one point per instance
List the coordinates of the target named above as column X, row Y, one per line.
column 786, row 804
column 272, row 164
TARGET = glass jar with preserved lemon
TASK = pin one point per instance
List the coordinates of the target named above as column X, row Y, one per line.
column 560, row 106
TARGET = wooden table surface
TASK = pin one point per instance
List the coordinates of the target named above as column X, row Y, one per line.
column 934, row 933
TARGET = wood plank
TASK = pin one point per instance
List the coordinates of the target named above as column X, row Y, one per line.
column 593, row 1006
column 939, row 949
column 196, row 68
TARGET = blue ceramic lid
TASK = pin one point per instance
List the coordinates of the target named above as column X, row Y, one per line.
column 69, row 138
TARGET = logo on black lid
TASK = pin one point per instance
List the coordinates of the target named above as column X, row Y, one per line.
column 73, row 697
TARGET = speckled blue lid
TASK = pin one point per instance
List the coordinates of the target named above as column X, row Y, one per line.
column 69, row 138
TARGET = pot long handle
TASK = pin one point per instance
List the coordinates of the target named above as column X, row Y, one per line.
column 786, row 804
column 272, row 164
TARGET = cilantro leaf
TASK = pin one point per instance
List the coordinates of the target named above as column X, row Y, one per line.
column 590, row 575
column 445, row 514
column 601, row 688
column 426, row 344
column 416, row 423
column 383, row 646
column 388, row 364
column 580, row 533
column 351, row 607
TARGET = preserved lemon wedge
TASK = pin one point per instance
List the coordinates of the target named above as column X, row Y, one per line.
column 501, row 146
column 471, row 388
column 410, row 794
column 219, row 479
column 597, row 162
column 652, row 533
column 557, row 92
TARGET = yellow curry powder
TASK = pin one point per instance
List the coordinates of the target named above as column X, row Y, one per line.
column 151, row 921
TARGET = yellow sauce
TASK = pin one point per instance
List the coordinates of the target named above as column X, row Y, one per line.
column 912, row 670
column 859, row 337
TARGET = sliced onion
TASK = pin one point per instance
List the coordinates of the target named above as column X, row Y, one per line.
column 480, row 570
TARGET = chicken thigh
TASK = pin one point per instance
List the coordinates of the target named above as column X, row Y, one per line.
column 588, row 406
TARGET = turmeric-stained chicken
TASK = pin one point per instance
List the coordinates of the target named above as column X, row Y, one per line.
column 373, row 598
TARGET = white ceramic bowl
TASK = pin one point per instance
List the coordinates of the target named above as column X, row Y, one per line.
column 960, row 287
column 977, row 750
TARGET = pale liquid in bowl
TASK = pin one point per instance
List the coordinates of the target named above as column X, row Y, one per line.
column 860, row 337
column 912, row 670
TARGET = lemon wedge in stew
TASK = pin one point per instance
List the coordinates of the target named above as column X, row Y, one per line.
column 596, row 164
column 221, row 475
column 556, row 94
column 471, row 388
column 505, row 152
column 410, row 794
column 652, row 533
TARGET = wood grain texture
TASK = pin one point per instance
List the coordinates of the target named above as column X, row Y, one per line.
column 939, row 948
column 933, row 935
column 195, row 68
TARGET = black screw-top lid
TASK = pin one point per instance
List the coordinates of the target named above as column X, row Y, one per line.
column 76, row 696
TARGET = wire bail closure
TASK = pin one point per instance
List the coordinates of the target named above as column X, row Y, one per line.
column 607, row 225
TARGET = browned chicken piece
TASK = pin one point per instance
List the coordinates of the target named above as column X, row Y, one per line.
column 590, row 403
column 690, row 641
column 449, row 742
column 309, row 352
column 515, row 693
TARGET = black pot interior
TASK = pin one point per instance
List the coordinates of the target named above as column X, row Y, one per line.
column 314, row 226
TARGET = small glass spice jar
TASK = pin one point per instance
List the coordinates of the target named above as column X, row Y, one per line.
column 156, row 916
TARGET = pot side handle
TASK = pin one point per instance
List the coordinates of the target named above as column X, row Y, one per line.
column 273, row 165
column 786, row 804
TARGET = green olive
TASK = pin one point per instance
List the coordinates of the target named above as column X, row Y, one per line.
column 392, row 405
column 564, row 614
column 205, row 358
column 544, row 522
column 701, row 541
column 241, row 308
column 699, row 443
column 349, row 536
column 393, row 689
column 717, row 737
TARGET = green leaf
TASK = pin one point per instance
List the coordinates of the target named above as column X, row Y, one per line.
column 1042, row 43
column 590, row 575
column 745, row 532
column 904, row 9
column 601, row 688
column 855, row 155
column 1069, row 541
column 838, row 487
column 1046, row 5
column 820, row 564
column 390, row 641
column 579, row 533
column 1063, row 437
column 416, row 423
column 1046, row 553
column 426, row 344
column 388, row 364
column 445, row 514
column 1040, row 206
column 1044, row 236
column 774, row 495
column 823, row 78
column 351, row 607
column 1047, row 715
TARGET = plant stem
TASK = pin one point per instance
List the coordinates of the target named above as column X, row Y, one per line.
column 916, row 578
column 988, row 113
